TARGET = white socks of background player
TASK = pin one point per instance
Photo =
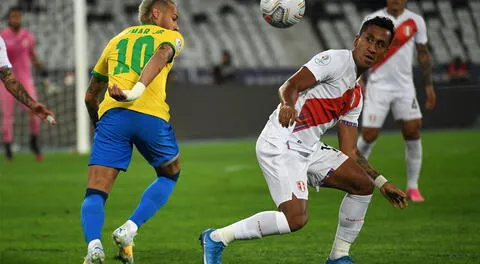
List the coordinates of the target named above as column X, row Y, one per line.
column 350, row 222
column 364, row 147
column 256, row 226
column 413, row 156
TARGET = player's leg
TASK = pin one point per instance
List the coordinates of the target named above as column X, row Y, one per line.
column 34, row 122
column 8, row 111
column 345, row 174
column 156, row 141
column 285, row 173
column 407, row 111
column 111, row 152
column 100, row 182
column 375, row 110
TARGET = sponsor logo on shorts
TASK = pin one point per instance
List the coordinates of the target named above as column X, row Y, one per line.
column 301, row 186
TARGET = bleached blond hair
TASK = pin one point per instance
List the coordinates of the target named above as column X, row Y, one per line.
column 145, row 8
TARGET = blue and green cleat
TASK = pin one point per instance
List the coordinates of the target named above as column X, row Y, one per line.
column 212, row 250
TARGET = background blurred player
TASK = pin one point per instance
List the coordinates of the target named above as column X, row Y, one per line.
column 321, row 93
column 390, row 85
column 15, row 88
column 21, row 52
column 122, row 121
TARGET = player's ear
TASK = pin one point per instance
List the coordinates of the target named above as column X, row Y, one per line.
column 355, row 41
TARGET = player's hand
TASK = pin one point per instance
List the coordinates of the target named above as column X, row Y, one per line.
column 287, row 115
column 431, row 97
column 394, row 195
column 116, row 93
column 44, row 113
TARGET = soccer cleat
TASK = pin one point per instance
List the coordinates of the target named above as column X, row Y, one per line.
column 124, row 241
column 414, row 195
column 35, row 147
column 95, row 256
column 342, row 260
column 39, row 157
column 212, row 250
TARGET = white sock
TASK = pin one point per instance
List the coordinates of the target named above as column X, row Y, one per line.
column 350, row 222
column 131, row 226
column 413, row 156
column 364, row 147
column 94, row 243
column 257, row 226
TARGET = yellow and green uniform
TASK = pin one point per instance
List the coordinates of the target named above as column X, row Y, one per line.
column 122, row 62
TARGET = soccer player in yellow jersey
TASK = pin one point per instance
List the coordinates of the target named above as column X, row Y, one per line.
column 137, row 115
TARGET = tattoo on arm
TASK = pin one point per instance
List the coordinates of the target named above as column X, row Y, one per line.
column 366, row 166
column 16, row 88
column 91, row 98
column 163, row 55
column 425, row 61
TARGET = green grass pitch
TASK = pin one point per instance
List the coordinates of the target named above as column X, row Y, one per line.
column 221, row 183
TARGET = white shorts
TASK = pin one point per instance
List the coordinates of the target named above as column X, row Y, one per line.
column 377, row 103
column 285, row 169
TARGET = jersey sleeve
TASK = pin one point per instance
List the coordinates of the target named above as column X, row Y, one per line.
column 4, row 62
column 351, row 117
column 101, row 67
column 175, row 40
column 326, row 65
column 421, row 35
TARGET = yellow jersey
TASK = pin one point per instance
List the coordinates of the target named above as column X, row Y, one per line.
column 122, row 61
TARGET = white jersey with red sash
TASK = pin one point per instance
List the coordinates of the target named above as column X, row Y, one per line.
column 394, row 72
column 336, row 96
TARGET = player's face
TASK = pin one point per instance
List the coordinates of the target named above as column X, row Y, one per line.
column 371, row 46
column 396, row 4
column 169, row 18
column 15, row 19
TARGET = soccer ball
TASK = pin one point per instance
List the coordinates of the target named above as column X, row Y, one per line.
column 282, row 13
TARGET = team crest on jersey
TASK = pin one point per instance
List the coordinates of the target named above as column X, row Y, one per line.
column 301, row 186
column 324, row 60
column 178, row 43
column 408, row 31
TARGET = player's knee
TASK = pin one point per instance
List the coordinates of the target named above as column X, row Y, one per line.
column 296, row 222
column 369, row 135
column 171, row 169
column 412, row 134
column 363, row 186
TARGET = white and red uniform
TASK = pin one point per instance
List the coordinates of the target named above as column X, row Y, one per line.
column 4, row 62
column 20, row 46
column 390, row 81
column 286, row 155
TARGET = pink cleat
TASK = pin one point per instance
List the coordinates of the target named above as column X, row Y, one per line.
column 39, row 157
column 414, row 195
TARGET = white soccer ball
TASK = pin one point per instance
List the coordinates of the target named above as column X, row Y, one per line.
column 282, row 13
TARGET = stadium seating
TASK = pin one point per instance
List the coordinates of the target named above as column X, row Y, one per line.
column 210, row 26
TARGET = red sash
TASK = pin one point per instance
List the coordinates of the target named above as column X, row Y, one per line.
column 403, row 33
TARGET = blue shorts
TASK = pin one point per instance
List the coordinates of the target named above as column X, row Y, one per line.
column 119, row 129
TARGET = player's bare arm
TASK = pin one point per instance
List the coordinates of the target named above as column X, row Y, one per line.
column 163, row 55
column 16, row 88
column 300, row 81
column 425, row 61
column 18, row 91
column 347, row 138
column 91, row 97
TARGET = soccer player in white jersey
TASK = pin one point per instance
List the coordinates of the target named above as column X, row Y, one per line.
column 14, row 87
column 289, row 151
column 390, row 86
